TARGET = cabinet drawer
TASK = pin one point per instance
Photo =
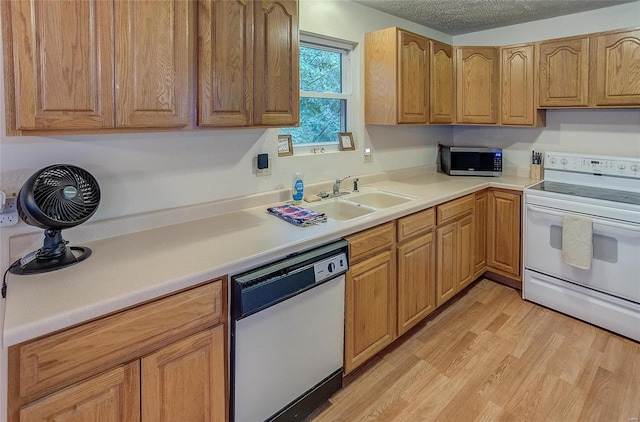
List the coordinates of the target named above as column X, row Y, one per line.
column 370, row 241
column 415, row 224
column 52, row 362
column 455, row 209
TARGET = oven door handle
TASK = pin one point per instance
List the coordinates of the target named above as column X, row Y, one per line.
column 608, row 223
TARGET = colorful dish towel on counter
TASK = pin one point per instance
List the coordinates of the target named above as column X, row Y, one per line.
column 297, row 215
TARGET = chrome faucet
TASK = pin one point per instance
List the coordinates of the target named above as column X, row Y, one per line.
column 336, row 186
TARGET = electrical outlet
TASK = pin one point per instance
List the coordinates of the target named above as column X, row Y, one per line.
column 264, row 172
column 9, row 214
column 368, row 155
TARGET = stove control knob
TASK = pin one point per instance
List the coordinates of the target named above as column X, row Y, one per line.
column 564, row 161
column 635, row 167
column 553, row 160
column 622, row 166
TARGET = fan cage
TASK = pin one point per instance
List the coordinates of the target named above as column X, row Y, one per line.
column 58, row 197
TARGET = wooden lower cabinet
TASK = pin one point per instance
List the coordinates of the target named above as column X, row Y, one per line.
column 186, row 381
column 455, row 263
column 480, row 244
column 163, row 360
column 466, row 239
column 109, row 397
column 446, row 278
column 416, row 281
column 503, row 233
column 370, row 317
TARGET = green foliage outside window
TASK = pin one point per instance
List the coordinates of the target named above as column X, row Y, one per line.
column 321, row 119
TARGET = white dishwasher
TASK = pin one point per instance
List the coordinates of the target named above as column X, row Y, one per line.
column 287, row 335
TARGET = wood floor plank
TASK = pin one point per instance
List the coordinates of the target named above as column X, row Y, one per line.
column 491, row 356
column 600, row 404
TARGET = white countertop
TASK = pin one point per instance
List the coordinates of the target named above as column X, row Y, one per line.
column 126, row 270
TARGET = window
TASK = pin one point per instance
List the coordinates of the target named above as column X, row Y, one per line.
column 324, row 91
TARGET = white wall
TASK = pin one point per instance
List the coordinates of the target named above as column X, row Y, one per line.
column 154, row 171
column 610, row 132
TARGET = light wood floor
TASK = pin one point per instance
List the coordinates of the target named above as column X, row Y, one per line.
column 490, row 356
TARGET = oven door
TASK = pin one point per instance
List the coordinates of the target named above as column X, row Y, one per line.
column 616, row 261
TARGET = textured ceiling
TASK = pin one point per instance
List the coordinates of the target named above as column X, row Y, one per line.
column 456, row 17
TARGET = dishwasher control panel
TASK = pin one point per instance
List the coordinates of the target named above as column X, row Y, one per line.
column 330, row 267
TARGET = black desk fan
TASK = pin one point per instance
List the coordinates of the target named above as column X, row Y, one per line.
column 55, row 198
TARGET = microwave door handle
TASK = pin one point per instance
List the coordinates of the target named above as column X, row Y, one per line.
column 608, row 223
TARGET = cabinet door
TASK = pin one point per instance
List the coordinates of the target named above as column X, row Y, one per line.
column 225, row 63
column 63, row 64
column 113, row 396
column 617, row 66
column 447, row 260
column 477, row 84
column 152, row 63
column 517, row 104
column 442, row 88
column 185, row 381
column 503, row 233
column 465, row 252
column 564, row 73
column 370, row 314
column 416, row 281
column 276, row 64
column 480, row 244
column 413, row 78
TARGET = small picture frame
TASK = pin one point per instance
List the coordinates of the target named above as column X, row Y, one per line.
column 345, row 141
column 285, row 145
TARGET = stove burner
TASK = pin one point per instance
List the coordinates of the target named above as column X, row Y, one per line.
column 612, row 195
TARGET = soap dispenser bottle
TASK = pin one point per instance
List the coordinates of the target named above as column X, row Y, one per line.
column 297, row 188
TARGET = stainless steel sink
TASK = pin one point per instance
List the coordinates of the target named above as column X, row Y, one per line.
column 379, row 199
column 341, row 210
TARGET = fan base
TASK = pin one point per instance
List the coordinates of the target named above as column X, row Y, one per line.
column 38, row 266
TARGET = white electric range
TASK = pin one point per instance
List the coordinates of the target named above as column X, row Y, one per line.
column 604, row 193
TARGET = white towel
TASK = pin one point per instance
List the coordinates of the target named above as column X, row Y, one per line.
column 577, row 241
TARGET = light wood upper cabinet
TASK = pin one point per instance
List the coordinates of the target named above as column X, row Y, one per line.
column 503, row 233
column 276, row 65
column 517, row 101
column 617, row 68
column 248, row 63
column 152, row 53
column 185, row 381
column 442, row 83
column 105, row 66
column 413, row 78
column 62, row 64
column 91, row 65
column 225, row 63
column 564, row 72
column 396, row 77
column 477, row 75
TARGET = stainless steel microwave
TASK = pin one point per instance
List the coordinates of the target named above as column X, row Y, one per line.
column 471, row 161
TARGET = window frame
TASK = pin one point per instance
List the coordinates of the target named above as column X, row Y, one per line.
column 345, row 48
